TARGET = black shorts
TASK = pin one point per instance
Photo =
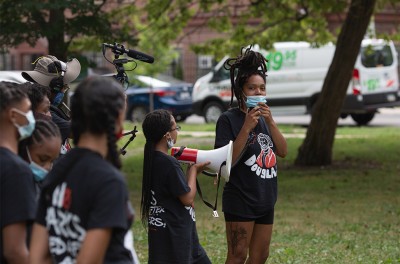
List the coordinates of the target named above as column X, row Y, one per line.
column 267, row 219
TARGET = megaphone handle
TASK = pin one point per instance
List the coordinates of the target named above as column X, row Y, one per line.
column 215, row 213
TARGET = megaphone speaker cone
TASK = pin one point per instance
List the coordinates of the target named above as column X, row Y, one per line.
column 217, row 157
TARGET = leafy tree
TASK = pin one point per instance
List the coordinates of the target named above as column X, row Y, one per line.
column 294, row 20
column 60, row 22
column 316, row 148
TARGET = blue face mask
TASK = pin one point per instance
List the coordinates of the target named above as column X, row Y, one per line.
column 26, row 130
column 39, row 173
column 252, row 101
column 58, row 99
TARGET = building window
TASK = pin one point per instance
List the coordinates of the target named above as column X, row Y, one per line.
column 205, row 61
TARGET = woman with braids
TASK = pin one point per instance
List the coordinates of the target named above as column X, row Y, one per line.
column 84, row 211
column 41, row 148
column 17, row 189
column 168, row 195
column 250, row 195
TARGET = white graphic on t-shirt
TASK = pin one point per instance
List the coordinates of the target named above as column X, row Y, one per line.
column 155, row 212
column 266, row 158
column 263, row 173
column 191, row 212
column 264, row 163
column 65, row 232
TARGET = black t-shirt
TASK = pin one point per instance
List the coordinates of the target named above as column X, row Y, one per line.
column 172, row 230
column 90, row 193
column 252, row 188
column 17, row 193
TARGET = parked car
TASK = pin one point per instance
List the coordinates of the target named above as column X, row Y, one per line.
column 147, row 93
column 12, row 76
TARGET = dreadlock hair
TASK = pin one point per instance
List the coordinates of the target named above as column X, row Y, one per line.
column 241, row 68
column 44, row 129
column 95, row 107
column 155, row 125
column 36, row 93
column 10, row 94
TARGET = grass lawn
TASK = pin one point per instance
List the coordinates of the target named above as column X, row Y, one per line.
column 348, row 212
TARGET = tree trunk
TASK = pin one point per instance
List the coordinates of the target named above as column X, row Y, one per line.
column 57, row 46
column 316, row 149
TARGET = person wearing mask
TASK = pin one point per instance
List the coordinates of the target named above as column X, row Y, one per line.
column 84, row 211
column 250, row 195
column 17, row 189
column 168, row 195
column 57, row 75
column 41, row 148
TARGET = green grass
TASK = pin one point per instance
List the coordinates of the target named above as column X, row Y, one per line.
column 348, row 212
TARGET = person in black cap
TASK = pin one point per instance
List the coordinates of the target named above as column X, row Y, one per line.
column 56, row 74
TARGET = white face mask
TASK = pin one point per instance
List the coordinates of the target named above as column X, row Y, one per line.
column 26, row 130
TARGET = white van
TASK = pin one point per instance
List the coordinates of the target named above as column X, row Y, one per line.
column 296, row 73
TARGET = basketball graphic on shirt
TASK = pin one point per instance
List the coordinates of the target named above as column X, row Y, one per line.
column 266, row 158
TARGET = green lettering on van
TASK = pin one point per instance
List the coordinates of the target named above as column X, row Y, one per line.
column 290, row 55
column 371, row 84
column 276, row 59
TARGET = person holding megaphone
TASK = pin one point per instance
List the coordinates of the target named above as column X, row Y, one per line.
column 168, row 195
column 249, row 196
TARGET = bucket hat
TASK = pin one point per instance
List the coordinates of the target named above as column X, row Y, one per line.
column 45, row 70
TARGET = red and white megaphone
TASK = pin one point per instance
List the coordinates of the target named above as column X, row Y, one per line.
column 216, row 156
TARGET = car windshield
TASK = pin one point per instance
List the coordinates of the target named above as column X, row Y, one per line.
column 376, row 56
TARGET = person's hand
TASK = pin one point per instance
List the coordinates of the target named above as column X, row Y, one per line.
column 199, row 167
column 265, row 112
column 251, row 119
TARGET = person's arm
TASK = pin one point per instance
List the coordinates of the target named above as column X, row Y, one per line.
column 94, row 246
column 188, row 198
column 39, row 246
column 277, row 137
column 14, row 243
column 249, row 124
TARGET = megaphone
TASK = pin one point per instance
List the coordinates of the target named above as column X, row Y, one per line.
column 216, row 156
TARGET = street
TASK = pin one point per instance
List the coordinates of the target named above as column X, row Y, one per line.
column 386, row 117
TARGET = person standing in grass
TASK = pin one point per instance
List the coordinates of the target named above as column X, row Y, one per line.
column 168, row 195
column 250, row 195
column 84, row 210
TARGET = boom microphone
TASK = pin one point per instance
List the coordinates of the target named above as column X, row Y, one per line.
column 137, row 55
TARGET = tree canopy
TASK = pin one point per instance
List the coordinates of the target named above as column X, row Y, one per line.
column 60, row 22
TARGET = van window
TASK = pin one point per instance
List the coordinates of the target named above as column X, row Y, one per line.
column 376, row 56
column 221, row 74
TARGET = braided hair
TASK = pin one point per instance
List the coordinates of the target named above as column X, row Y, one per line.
column 44, row 129
column 95, row 107
column 241, row 68
column 10, row 94
column 155, row 125
column 36, row 93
